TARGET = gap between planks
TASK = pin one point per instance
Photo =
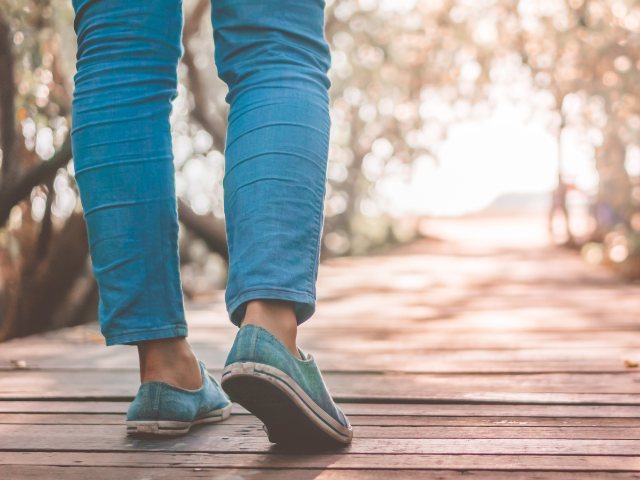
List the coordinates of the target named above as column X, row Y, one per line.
column 20, row 472
column 360, row 431
column 13, row 440
column 431, row 410
column 356, row 420
column 330, row 461
column 551, row 388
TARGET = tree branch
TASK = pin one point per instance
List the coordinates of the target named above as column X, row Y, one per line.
column 11, row 195
column 7, row 109
column 207, row 227
column 43, row 289
column 199, row 111
column 192, row 22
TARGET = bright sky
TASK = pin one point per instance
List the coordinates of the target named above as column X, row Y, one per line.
column 480, row 161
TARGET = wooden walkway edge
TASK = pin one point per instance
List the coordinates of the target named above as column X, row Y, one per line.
column 489, row 355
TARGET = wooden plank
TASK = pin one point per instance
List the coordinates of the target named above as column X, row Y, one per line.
column 420, row 313
column 417, row 364
column 408, row 432
column 604, row 389
column 398, row 335
column 416, row 421
column 532, row 314
column 371, row 340
column 329, row 461
column 410, row 384
column 356, row 420
column 28, row 472
column 539, row 360
column 471, row 398
column 352, row 409
column 396, row 338
column 12, row 438
column 438, row 348
column 63, row 419
column 62, row 407
column 531, row 309
column 361, row 432
column 491, row 410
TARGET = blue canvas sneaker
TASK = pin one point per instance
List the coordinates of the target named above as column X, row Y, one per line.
column 162, row 409
column 287, row 394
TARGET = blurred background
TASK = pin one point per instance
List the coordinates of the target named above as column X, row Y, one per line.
column 471, row 108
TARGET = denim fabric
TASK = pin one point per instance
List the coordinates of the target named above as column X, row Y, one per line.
column 164, row 402
column 274, row 58
column 255, row 344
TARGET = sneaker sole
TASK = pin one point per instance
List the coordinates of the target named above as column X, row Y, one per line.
column 289, row 414
column 169, row 428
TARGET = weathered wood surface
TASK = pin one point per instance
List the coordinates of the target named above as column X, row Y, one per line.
column 438, row 352
column 570, row 388
column 128, row 473
column 415, row 422
column 533, row 461
column 360, row 409
column 83, row 438
column 490, row 355
column 250, row 428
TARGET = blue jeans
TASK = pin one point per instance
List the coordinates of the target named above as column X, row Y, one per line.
column 273, row 56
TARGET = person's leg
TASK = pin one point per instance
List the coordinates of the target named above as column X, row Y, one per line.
column 128, row 51
column 274, row 58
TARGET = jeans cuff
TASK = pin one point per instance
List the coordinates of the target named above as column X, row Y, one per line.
column 129, row 338
column 305, row 304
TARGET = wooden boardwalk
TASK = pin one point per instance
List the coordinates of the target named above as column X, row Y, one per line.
column 489, row 355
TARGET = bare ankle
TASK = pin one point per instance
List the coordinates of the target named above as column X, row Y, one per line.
column 278, row 318
column 169, row 360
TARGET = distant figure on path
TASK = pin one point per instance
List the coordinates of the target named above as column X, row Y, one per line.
column 559, row 204
column 273, row 56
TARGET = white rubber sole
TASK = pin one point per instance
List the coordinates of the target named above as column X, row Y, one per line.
column 295, row 407
column 168, row 428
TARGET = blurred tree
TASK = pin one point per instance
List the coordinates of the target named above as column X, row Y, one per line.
column 582, row 53
column 586, row 53
column 405, row 71
column 43, row 249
